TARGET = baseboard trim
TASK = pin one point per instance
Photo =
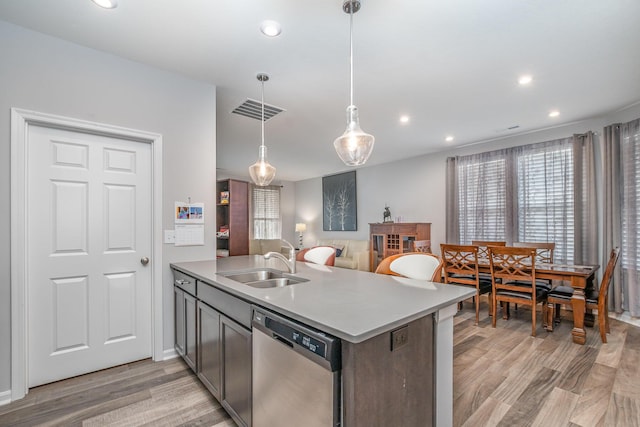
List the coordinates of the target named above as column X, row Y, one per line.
column 625, row 317
column 5, row 397
column 169, row 354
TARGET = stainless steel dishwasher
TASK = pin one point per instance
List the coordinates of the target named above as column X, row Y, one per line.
column 296, row 374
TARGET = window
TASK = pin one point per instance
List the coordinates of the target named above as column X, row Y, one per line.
column 630, row 156
column 545, row 199
column 521, row 194
column 482, row 199
column 265, row 212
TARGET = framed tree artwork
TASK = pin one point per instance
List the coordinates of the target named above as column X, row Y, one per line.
column 339, row 209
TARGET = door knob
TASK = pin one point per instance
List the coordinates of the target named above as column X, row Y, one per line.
column 144, row 260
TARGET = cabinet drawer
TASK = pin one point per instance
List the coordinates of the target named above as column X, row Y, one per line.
column 231, row 306
column 184, row 282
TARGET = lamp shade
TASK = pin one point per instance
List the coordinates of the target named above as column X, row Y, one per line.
column 354, row 146
column 301, row 227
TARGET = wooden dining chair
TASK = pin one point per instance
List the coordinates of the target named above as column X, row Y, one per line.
column 483, row 252
column 483, row 247
column 544, row 255
column 422, row 246
column 414, row 265
column 514, row 281
column 544, row 250
column 460, row 266
column 324, row 255
column 594, row 299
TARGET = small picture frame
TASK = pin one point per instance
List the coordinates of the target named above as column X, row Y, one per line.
column 224, row 197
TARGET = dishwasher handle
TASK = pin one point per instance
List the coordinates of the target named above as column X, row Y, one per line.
column 282, row 340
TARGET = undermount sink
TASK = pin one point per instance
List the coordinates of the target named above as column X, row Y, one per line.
column 264, row 278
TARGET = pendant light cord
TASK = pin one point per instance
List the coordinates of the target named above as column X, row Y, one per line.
column 262, row 122
column 351, row 51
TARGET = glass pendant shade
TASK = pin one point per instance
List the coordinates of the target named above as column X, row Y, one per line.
column 354, row 146
column 261, row 172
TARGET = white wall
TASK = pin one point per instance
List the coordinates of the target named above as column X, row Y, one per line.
column 415, row 188
column 45, row 74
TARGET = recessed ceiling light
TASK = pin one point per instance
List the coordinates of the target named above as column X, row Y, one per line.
column 525, row 80
column 554, row 113
column 449, row 138
column 404, row 119
column 270, row 28
column 107, row 4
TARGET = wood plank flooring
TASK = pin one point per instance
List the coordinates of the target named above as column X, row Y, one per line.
column 502, row 377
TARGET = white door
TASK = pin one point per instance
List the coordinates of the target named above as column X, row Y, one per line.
column 89, row 230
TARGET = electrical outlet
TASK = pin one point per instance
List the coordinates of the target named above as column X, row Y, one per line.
column 399, row 337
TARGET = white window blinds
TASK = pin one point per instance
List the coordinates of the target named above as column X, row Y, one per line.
column 545, row 198
column 523, row 194
column 265, row 212
column 482, row 198
column 630, row 162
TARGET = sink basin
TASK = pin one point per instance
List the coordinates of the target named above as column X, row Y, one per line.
column 265, row 278
column 274, row 283
column 254, row 276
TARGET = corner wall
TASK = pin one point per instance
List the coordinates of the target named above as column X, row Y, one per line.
column 49, row 75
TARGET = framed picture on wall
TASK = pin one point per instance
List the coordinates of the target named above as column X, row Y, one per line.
column 339, row 209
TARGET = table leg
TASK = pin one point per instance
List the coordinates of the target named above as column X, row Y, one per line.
column 578, row 305
column 589, row 319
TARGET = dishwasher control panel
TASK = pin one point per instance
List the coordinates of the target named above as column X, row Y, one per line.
column 298, row 336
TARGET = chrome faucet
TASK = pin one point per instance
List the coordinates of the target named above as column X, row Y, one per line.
column 291, row 261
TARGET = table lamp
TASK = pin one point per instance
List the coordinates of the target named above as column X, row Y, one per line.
column 301, row 228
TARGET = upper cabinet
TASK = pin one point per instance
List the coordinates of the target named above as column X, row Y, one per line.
column 232, row 217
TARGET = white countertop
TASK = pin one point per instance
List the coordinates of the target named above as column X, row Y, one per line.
column 349, row 304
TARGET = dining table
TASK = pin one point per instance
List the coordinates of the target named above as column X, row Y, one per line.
column 579, row 277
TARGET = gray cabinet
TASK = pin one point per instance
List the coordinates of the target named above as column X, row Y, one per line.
column 236, row 389
column 213, row 336
column 209, row 349
column 190, row 331
column 179, row 320
column 185, row 318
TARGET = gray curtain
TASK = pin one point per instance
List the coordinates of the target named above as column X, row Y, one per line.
column 452, row 232
column 585, row 202
column 621, row 153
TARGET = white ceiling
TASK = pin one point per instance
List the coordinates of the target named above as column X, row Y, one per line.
column 451, row 65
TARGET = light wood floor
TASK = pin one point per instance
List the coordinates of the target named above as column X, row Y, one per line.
column 502, row 377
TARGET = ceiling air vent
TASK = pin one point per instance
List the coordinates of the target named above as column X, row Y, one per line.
column 253, row 109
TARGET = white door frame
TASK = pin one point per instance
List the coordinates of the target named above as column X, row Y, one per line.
column 21, row 120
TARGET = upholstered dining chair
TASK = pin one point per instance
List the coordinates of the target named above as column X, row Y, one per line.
column 422, row 246
column 324, row 255
column 414, row 265
column 460, row 266
column 514, row 280
column 594, row 299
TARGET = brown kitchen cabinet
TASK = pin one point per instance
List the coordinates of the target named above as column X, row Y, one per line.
column 232, row 214
column 391, row 238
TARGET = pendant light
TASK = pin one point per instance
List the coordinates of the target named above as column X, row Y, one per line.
column 261, row 172
column 354, row 146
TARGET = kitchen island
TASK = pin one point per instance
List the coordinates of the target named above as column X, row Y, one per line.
column 397, row 333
